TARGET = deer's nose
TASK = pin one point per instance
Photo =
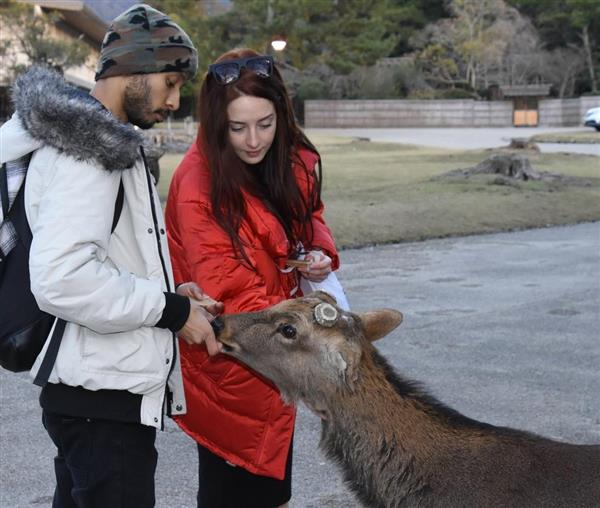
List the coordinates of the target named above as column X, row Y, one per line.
column 217, row 325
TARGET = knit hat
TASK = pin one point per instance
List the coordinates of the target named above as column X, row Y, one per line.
column 143, row 40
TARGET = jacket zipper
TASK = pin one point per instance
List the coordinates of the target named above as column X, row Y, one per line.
column 168, row 396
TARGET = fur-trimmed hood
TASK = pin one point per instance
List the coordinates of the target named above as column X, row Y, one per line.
column 55, row 113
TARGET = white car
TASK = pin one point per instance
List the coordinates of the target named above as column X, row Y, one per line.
column 592, row 118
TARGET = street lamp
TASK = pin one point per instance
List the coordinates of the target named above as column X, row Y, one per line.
column 278, row 43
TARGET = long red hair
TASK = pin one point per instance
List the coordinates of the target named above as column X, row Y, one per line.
column 274, row 182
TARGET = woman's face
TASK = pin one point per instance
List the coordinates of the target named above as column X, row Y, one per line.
column 252, row 125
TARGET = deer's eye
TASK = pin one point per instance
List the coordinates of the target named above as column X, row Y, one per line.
column 288, row 331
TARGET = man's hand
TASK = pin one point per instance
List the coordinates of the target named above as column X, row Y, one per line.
column 197, row 329
column 194, row 292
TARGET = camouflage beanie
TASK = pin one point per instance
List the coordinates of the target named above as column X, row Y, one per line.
column 143, row 40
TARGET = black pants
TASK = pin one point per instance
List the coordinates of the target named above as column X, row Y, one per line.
column 224, row 486
column 102, row 463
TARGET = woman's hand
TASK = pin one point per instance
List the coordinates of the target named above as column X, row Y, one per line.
column 319, row 267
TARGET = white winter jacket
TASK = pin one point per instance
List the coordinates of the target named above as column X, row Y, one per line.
column 109, row 288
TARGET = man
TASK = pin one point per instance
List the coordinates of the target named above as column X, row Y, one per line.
column 117, row 371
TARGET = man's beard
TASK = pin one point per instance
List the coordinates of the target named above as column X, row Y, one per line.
column 137, row 103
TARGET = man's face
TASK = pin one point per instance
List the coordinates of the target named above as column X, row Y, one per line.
column 149, row 97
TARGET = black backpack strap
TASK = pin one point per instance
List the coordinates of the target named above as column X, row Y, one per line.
column 4, row 190
column 45, row 369
column 4, row 198
column 118, row 206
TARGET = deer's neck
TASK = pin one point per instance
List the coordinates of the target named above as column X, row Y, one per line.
column 400, row 447
column 384, row 431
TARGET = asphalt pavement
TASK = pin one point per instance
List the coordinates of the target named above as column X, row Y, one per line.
column 465, row 138
column 505, row 328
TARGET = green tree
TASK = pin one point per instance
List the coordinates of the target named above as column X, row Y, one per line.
column 190, row 16
column 328, row 40
column 340, row 33
column 331, row 42
column 585, row 17
column 404, row 18
column 439, row 65
column 32, row 36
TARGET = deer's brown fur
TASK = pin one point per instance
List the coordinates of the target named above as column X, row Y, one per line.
column 398, row 446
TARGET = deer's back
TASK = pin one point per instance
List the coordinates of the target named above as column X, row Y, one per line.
column 518, row 471
column 398, row 447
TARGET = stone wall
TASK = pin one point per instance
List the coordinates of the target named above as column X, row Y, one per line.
column 557, row 113
column 438, row 113
column 561, row 112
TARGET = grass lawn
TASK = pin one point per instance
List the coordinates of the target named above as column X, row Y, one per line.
column 588, row 135
column 381, row 193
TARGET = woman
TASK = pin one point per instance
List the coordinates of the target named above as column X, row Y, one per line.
column 244, row 201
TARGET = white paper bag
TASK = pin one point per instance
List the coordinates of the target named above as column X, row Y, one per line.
column 330, row 285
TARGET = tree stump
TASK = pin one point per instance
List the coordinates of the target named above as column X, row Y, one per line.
column 510, row 168
column 523, row 144
column 507, row 165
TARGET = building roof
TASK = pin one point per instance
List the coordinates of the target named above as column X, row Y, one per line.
column 78, row 15
column 108, row 10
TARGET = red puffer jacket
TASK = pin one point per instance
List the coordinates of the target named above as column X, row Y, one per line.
column 231, row 410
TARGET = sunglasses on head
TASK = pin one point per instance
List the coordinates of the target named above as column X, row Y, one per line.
column 229, row 71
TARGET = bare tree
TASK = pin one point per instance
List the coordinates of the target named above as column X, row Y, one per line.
column 523, row 58
column 561, row 67
column 487, row 42
column 589, row 59
column 473, row 34
column 471, row 46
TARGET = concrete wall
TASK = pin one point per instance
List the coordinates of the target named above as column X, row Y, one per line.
column 556, row 112
column 563, row 112
column 438, row 113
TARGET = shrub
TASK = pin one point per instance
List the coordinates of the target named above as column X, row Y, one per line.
column 311, row 88
column 423, row 93
column 456, row 93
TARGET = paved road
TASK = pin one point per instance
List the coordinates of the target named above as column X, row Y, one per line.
column 504, row 328
column 465, row 138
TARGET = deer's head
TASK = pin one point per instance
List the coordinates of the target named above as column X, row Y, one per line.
column 308, row 347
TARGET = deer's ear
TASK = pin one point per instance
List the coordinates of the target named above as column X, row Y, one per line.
column 379, row 323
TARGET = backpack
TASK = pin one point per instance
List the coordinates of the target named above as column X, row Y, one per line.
column 23, row 326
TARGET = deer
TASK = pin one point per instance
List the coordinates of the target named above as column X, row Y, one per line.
column 398, row 446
